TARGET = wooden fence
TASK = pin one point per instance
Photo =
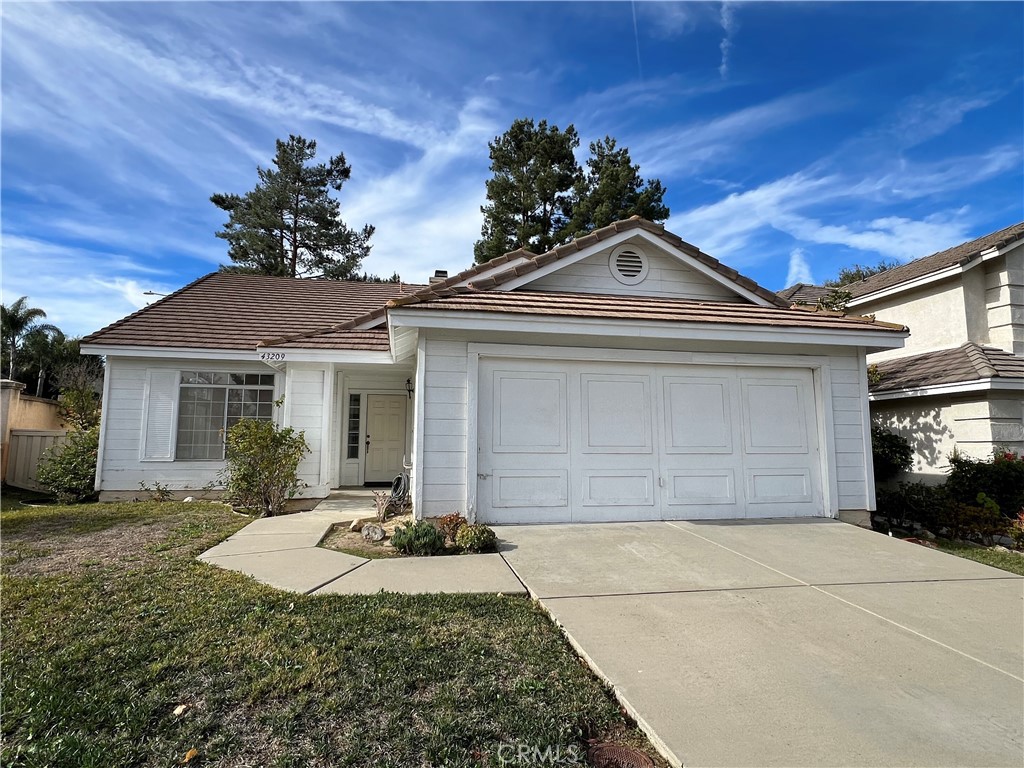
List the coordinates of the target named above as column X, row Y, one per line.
column 27, row 447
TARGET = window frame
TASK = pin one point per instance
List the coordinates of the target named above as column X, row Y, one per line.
column 227, row 420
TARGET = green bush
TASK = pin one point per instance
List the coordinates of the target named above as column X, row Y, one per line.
column 476, row 538
column 1000, row 478
column 980, row 522
column 262, row 471
column 68, row 470
column 891, row 454
column 910, row 505
column 420, row 538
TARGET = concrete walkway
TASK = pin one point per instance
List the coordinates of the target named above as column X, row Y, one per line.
column 789, row 642
column 283, row 552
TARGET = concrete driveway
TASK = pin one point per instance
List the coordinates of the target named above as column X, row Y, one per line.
column 789, row 642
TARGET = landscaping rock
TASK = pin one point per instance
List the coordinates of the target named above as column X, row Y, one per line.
column 926, row 535
column 373, row 532
column 1000, row 548
column 189, row 498
column 356, row 526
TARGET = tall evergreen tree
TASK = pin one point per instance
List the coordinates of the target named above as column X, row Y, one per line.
column 529, row 202
column 611, row 189
column 289, row 225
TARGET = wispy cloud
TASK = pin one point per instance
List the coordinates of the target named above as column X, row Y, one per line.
column 729, row 26
column 799, row 268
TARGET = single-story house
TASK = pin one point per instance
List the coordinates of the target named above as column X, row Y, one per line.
column 623, row 376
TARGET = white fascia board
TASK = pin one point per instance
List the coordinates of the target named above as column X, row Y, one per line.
column 934, row 277
column 262, row 355
column 910, row 285
column 590, row 326
column 954, row 388
column 650, row 238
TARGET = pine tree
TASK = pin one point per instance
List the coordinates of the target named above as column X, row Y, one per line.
column 289, row 225
column 529, row 201
column 612, row 189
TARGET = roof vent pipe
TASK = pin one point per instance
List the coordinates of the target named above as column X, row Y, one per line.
column 440, row 275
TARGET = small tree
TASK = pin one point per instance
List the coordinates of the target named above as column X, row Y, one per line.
column 80, row 383
column 262, row 471
column 858, row 272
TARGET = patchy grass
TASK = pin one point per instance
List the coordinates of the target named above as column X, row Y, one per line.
column 11, row 498
column 1007, row 561
column 139, row 657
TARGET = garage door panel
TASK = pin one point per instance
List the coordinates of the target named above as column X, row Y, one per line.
column 617, row 488
column 517, row 488
column 697, row 415
column 781, row 485
column 699, row 487
column 773, row 412
column 616, row 414
column 529, row 413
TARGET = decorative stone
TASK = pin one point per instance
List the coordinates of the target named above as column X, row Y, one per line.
column 926, row 534
column 356, row 526
column 189, row 498
column 373, row 532
column 1000, row 548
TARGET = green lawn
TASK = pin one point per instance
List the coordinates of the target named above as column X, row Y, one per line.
column 119, row 648
column 1007, row 561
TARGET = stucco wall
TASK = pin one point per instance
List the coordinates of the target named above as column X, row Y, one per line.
column 934, row 314
column 21, row 411
column 973, row 424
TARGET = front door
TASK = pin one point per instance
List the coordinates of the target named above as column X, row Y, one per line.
column 385, row 437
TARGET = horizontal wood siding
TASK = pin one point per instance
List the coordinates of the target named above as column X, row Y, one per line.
column 666, row 276
column 306, row 414
column 122, row 469
column 848, row 432
column 444, row 427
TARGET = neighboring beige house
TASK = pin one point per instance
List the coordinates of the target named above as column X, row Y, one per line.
column 623, row 376
column 958, row 382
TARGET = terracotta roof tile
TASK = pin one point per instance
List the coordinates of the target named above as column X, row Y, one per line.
column 801, row 293
column 225, row 310
column 937, row 261
column 635, row 308
column 968, row 362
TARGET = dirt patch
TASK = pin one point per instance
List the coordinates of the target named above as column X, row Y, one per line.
column 121, row 547
column 343, row 540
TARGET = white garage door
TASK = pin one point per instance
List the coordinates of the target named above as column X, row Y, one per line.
column 562, row 442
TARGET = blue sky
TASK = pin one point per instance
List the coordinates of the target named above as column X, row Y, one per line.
column 792, row 138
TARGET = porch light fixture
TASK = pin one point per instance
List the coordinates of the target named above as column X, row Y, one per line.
column 408, row 387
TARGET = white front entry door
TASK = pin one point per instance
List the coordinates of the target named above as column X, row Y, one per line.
column 385, row 437
column 591, row 441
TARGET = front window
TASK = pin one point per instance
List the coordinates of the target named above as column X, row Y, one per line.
column 210, row 403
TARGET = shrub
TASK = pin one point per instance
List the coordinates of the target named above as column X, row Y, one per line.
column 262, row 470
column 476, row 538
column 449, row 525
column 1000, row 478
column 891, row 454
column 981, row 521
column 910, row 505
column 420, row 538
column 1016, row 531
column 68, row 470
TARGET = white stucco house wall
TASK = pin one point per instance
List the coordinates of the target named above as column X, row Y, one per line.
column 958, row 382
column 623, row 376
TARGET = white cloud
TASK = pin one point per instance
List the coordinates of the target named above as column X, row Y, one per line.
column 799, row 268
column 729, row 26
column 81, row 290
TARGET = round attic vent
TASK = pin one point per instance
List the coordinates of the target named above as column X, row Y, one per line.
column 628, row 264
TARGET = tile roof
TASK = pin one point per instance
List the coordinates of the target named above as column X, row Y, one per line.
column 521, row 302
column 937, row 261
column 968, row 362
column 225, row 310
column 802, row 293
column 634, row 222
